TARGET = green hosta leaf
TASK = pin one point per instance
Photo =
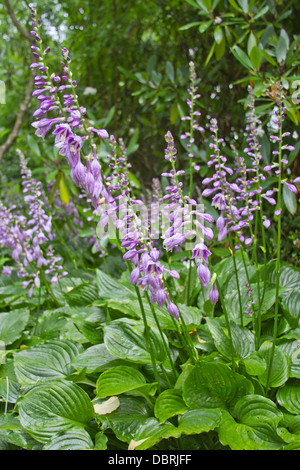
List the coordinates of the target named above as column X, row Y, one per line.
column 294, row 445
column 95, row 359
column 46, row 362
column 124, row 339
column 12, row 324
column 254, row 364
column 214, row 385
column 253, row 409
column 76, row 439
column 127, row 419
column 11, row 431
column 119, row 380
column 111, row 289
column 91, row 331
column 279, row 372
column 100, row 441
column 82, row 295
column 169, row 403
column 292, row 350
column 232, row 301
column 242, row 338
column 239, row 436
column 152, row 431
column 133, row 309
column 9, row 386
column 199, row 420
column 55, row 408
column 289, row 397
column 289, row 279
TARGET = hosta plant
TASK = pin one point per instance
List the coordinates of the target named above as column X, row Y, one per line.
column 186, row 335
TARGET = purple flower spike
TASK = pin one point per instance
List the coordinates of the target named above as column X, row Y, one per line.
column 173, row 310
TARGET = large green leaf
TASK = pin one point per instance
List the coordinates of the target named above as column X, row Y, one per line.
column 55, row 408
column 82, row 295
column 152, row 431
column 126, row 420
column 240, row 436
column 292, row 350
column 47, row 361
column 12, row 324
column 11, row 431
column 76, row 439
column 111, row 289
column 124, row 339
column 279, row 372
column 119, row 380
column 95, row 359
column 242, row 338
column 289, row 279
column 199, row 420
column 289, row 397
column 253, row 409
column 214, row 385
column 169, row 403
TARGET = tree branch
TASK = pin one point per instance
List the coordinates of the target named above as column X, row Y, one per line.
column 23, row 108
column 24, row 105
column 19, row 27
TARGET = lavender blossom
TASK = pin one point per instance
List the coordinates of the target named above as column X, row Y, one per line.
column 62, row 100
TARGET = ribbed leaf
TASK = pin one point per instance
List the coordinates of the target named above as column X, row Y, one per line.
column 119, row 380
column 279, row 372
column 76, row 439
column 111, row 289
column 214, row 385
column 47, row 361
column 239, row 436
column 253, row 409
column 124, row 339
column 201, row 420
column 95, row 359
column 55, row 408
column 12, row 324
column 82, row 295
column 242, row 338
column 127, row 419
column 289, row 397
column 169, row 403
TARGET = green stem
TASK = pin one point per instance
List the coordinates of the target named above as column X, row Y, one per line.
column 237, row 279
column 162, row 336
column 227, row 323
column 275, row 327
column 147, row 337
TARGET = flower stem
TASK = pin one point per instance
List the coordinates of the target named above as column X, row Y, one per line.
column 275, row 327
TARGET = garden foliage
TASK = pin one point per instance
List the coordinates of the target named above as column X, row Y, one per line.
column 159, row 317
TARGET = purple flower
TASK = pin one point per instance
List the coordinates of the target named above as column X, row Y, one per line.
column 214, row 295
column 173, row 310
column 204, row 274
